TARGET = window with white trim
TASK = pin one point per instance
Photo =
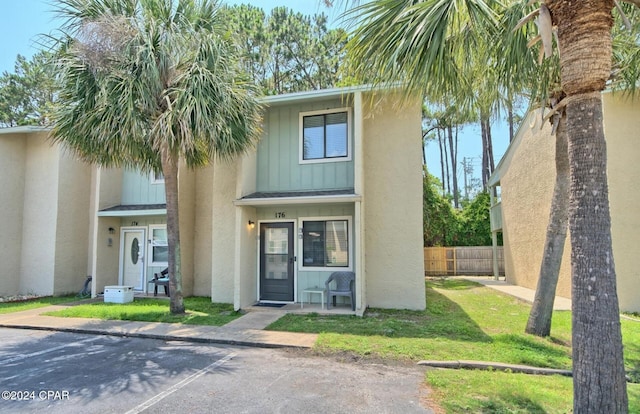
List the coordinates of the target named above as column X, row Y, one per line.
column 325, row 244
column 157, row 177
column 159, row 246
column 325, row 136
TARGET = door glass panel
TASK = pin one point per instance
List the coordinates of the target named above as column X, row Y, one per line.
column 277, row 241
column 135, row 250
column 132, row 262
column 277, row 253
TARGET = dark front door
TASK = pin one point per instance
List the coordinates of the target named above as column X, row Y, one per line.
column 276, row 262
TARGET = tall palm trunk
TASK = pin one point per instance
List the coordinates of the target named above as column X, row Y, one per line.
column 510, row 116
column 454, row 171
column 539, row 322
column 170, row 172
column 487, row 150
column 442, row 163
column 584, row 33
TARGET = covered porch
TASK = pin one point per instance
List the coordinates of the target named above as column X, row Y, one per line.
column 295, row 241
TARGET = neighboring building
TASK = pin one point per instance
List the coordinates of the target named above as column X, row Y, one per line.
column 334, row 184
column 44, row 215
column 526, row 177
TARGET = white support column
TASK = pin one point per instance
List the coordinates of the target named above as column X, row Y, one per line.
column 494, row 233
column 494, row 243
column 359, row 188
column 94, row 220
column 237, row 286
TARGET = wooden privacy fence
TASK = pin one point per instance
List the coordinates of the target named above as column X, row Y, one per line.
column 477, row 260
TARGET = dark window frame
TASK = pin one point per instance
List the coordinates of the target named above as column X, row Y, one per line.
column 304, row 158
column 319, row 255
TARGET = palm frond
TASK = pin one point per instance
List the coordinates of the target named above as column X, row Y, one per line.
column 165, row 76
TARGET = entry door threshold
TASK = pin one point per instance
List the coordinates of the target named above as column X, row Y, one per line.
column 271, row 304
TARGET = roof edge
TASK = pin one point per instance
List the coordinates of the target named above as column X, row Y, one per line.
column 323, row 93
column 24, row 129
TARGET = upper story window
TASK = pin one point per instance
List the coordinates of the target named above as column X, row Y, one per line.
column 325, row 136
column 157, row 177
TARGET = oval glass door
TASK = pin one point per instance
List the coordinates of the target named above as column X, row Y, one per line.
column 132, row 258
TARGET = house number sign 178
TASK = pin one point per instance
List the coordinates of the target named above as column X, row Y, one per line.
column 280, row 214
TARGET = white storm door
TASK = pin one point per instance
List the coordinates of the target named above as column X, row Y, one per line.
column 132, row 258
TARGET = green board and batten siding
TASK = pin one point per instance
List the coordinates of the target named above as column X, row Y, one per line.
column 279, row 167
column 138, row 189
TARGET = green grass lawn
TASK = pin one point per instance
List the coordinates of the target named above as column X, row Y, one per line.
column 8, row 307
column 199, row 311
column 465, row 320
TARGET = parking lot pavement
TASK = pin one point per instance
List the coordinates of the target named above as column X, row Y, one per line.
column 75, row 373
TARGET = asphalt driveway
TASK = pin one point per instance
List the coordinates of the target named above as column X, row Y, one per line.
column 76, row 373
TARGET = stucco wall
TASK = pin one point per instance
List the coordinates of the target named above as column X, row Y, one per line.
column 186, row 200
column 527, row 189
column 104, row 257
column 622, row 129
column 107, row 257
column 72, row 230
column 13, row 160
column 110, row 187
column 246, row 257
column 393, row 208
column 39, row 216
column 203, row 232
column 223, row 232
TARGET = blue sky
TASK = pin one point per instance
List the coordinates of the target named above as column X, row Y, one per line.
column 21, row 23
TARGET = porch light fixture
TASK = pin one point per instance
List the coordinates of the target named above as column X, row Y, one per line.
column 252, row 224
column 111, row 230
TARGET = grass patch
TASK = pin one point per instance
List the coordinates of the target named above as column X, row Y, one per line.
column 465, row 320
column 19, row 306
column 199, row 311
column 462, row 391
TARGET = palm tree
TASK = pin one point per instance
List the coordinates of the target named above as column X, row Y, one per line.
column 417, row 42
column 522, row 71
column 584, row 36
column 150, row 83
column 546, row 90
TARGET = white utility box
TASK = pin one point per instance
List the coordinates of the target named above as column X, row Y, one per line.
column 118, row 294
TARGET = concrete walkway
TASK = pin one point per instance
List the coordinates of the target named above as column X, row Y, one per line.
column 248, row 330
column 519, row 292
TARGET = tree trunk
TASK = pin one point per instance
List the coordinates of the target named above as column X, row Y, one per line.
column 490, row 157
column 445, row 178
column 584, row 34
column 424, row 151
column 441, row 162
column 454, row 170
column 510, row 117
column 170, row 172
column 485, row 153
column 539, row 322
column 598, row 368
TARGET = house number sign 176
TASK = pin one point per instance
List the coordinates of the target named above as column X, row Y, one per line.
column 280, row 214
